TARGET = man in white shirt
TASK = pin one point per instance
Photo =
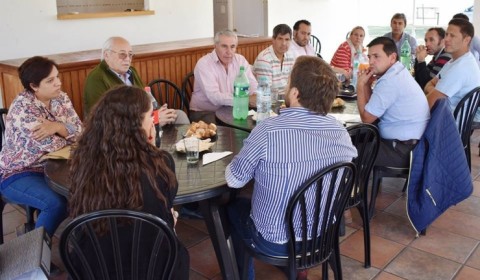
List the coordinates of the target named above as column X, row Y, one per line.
column 300, row 45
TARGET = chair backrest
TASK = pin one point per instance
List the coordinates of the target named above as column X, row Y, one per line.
column 187, row 87
column 464, row 114
column 317, row 46
column 135, row 245
column 166, row 91
column 366, row 138
column 3, row 115
column 323, row 197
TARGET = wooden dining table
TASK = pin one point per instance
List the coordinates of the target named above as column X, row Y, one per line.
column 224, row 115
column 196, row 183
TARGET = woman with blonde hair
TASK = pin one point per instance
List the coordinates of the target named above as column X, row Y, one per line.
column 342, row 61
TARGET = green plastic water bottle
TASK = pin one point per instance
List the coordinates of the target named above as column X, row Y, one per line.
column 405, row 54
column 240, row 95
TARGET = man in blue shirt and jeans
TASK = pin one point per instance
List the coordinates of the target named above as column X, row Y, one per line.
column 281, row 153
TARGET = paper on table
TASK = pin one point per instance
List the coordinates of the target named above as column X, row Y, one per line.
column 203, row 146
column 63, row 153
column 253, row 113
column 347, row 118
column 211, row 157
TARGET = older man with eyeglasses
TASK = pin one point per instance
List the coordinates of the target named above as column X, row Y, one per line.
column 115, row 69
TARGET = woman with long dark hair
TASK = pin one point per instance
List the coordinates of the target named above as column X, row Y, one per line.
column 117, row 166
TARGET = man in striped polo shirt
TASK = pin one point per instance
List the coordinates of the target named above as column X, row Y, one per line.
column 276, row 62
column 435, row 46
column 283, row 152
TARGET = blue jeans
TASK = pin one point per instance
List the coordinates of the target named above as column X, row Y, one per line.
column 243, row 230
column 30, row 188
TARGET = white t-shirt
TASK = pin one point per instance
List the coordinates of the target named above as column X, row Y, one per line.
column 458, row 77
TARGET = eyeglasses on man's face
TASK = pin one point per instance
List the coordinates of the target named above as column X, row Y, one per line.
column 123, row 55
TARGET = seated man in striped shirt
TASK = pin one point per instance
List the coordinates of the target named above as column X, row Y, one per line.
column 435, row 46
column 276, row 62
column 284, row 151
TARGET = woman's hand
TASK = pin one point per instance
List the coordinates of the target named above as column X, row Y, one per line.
column 46, row 128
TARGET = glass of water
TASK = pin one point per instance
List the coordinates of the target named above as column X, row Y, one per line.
column 192, row 149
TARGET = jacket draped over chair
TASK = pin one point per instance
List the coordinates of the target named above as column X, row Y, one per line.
column 439, row 172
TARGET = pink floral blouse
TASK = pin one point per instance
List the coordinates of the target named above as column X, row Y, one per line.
column 21, row 152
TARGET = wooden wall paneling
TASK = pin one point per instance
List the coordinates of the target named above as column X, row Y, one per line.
column 12, row 87
column 179, row 70
column 76, row 96
column 66, row 83
column 149, row 65
column 161, row 69
column 154, row 69
column 153, row 61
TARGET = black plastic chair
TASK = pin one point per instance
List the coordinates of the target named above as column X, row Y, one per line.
column 317, row 46
column 132, row 245
column 187, row 88
column 333, row 186
column 29, row 211
column 366, row 139
column 166, row 91
column 464, row 113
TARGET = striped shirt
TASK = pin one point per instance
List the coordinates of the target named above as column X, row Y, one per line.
column 343, row 57
column 268, row 65
column 280, row 154
column 425, row 72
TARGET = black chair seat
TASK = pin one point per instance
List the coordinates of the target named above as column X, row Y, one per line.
column 333, row 184
column 118, row 244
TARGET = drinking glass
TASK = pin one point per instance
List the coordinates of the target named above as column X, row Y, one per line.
column 192, row 149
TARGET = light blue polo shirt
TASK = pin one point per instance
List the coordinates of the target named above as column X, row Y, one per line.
column 458, row 77
column 400, row 104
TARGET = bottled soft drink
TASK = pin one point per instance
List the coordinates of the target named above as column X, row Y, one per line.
column 156, row 121
column 264, row 102
column 405, row 55
column 240, row 95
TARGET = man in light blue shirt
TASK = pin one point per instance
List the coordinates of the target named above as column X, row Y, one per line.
column 459, row 75
column 397, row 102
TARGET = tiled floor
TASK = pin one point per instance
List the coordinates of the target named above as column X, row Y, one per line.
column 450, row 249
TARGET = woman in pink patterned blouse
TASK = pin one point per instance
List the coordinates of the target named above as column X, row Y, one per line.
column 40, row 120
column 342, row 61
